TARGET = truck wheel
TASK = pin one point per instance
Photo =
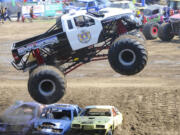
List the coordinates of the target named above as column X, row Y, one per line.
column 150, row 31
column 138, row 35
column 46, row 84
column 127, row 56
column 165, row 32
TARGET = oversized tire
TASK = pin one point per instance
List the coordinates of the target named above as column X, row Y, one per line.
column 150, row 30
column 166, row 32
column 46, row 84
column 138, row 35
column 127, row 56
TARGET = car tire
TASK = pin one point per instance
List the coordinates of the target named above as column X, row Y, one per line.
column 127, row 56
column 46, row 84
column 150, row 30
column 166, row 32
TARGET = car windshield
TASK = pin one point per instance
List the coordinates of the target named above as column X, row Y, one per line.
column 147, row 12
column 97, row 112
column 56, row 114
column 174, row 5
column 80, row 4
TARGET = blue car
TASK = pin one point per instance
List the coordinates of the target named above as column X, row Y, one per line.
column 56, row 119
column 89, row 5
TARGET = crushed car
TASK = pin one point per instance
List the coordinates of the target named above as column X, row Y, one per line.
column 56, row 119
column 101, row 120
column 19, row 118
column 78, row 38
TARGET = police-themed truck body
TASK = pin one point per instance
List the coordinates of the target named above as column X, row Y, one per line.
column 73, row 41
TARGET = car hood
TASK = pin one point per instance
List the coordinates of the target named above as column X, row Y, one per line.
column 175, row 18
column 58, row 124
column 92, row 120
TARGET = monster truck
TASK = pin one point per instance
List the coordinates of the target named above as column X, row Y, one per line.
column 73, row 41
column 153, row 17
column 56, row 119
column 168, row 30
column 19, row 118
column 101, row 120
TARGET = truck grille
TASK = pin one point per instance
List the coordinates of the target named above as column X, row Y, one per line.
column 176, row 28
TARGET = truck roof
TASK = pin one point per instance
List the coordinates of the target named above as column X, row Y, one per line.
column 109, row 14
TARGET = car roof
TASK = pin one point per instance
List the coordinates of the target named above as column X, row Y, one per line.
column 99, row 107
column 19, row 103
column 63, row 106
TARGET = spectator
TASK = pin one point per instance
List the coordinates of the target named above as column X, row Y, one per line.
column 2, row 12
column 6, row 15
column 18, row 12
column 31, row 13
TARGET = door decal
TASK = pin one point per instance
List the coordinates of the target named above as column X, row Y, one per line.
column 84, row 36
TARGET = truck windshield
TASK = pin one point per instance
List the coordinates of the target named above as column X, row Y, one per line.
column 174, row 5
column 147, row 12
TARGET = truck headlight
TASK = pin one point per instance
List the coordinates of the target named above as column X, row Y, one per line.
column 100, row 126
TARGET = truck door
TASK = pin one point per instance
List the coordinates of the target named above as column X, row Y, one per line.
column 86, row 32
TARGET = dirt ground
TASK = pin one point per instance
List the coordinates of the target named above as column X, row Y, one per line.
column 149, row 101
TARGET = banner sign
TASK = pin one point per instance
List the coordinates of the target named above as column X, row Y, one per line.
column 38, row 10
column 53, row 9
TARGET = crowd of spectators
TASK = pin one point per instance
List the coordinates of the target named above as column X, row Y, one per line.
column 4, row 15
